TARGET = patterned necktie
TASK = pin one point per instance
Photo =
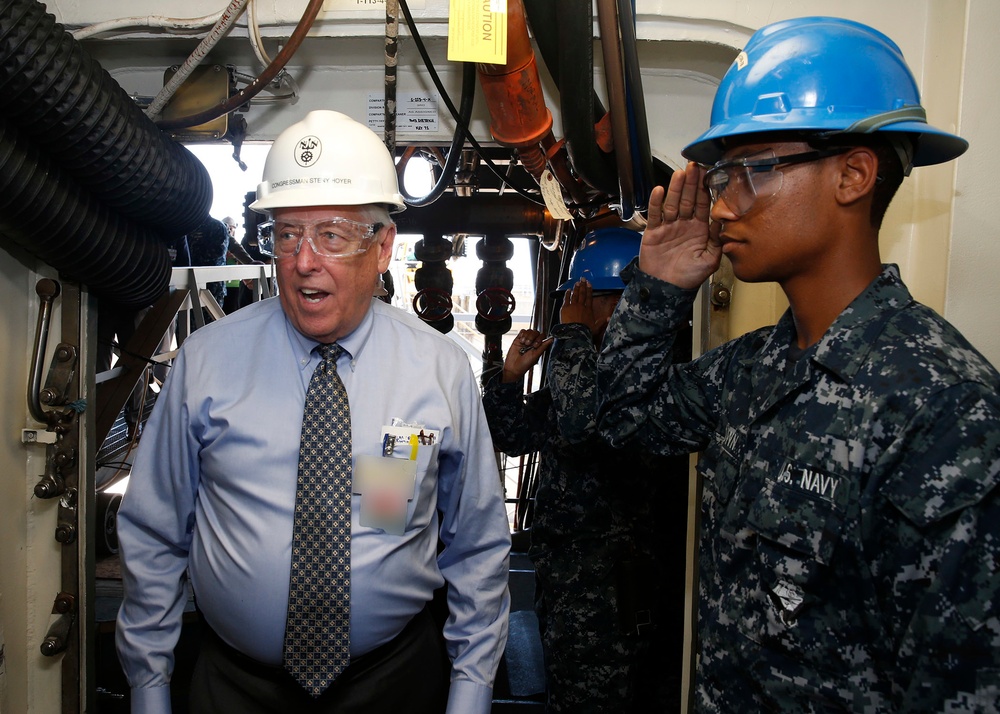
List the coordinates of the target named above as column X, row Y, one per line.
column 318, row 628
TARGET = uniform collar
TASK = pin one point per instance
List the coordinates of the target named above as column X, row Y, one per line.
column 845, row 346
column 841, row 351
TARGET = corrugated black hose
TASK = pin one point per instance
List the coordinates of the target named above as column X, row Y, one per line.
column 125, row 183
column 47, row 214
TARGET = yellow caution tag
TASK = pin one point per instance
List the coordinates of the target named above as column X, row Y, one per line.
column 477, row 31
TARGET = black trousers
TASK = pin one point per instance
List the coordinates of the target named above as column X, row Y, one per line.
column 407, row 674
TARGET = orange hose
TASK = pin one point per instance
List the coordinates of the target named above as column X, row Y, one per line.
column 513, row 91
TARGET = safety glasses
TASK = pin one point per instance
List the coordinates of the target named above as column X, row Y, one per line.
column 740, row 182
column 328, row 237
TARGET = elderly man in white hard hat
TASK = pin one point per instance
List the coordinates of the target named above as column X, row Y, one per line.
column 325, row 485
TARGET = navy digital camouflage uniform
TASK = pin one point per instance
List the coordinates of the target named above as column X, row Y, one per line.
column 209, row 244
column 607, row 547
column 850, row 519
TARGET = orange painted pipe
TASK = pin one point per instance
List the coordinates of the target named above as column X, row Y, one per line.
column 513, row 91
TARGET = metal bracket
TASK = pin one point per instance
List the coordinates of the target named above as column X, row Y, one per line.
column 37, row 436
column 59, row 463
column 720, row 296
column 58, row 636
column 59, row 381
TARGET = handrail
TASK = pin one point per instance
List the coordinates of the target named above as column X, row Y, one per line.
column 48, row 290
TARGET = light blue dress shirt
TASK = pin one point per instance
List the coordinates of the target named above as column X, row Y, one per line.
column 212, row 492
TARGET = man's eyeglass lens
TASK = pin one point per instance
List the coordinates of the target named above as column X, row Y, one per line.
column 740, row 182
column 331, row 238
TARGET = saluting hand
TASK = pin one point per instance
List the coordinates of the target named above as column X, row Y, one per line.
column 677, row 245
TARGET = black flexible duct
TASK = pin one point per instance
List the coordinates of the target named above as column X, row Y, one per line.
column 48, row 214
column 564, row 32
column 76, row 112
column 88, row 183
column 642, row 154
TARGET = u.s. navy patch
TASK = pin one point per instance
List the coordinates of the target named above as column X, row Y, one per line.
column 811, row 479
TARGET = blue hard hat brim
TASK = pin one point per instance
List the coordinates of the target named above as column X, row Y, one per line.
column 596, row 283
column 933, row 146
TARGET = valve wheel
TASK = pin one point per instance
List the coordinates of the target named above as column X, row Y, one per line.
column 495, row 304
column 432, row 304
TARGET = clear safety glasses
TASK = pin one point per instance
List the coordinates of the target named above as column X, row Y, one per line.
column 329, row 237
column 740, row 182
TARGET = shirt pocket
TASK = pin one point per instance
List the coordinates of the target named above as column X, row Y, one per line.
column 797, row 528
column 422, row 505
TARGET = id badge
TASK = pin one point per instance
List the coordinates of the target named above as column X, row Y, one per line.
column 386, row 484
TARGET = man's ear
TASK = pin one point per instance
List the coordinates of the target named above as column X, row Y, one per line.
column 385, row 248
column 858, row 175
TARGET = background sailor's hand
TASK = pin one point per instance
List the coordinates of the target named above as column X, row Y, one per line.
column 525, row 351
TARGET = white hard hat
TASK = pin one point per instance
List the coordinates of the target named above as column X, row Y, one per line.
column 328, row 159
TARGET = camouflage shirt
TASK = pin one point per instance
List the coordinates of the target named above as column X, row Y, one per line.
column 208, row 244
column 583, row 492
column 850, row 515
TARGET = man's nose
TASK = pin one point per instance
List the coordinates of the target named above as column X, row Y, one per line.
column 721, row 211
column 305, row 253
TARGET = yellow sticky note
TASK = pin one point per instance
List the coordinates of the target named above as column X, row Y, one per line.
column 477, row 31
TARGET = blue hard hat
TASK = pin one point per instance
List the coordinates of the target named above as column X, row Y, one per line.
column 823, row 75
column 602, row 256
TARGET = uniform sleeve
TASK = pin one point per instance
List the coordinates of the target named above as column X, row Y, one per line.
column 938, row 566
column 154, row 532
column 519, row 423
column 239, row 252
column 474, row 559
column 572, row 377
column 669, row 409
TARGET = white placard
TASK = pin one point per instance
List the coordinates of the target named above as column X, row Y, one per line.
column 366, row 6
column 415, row 113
